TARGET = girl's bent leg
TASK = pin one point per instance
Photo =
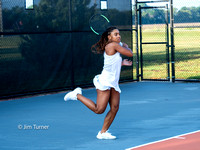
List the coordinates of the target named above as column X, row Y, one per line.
column 101, row 104
column 114, row 106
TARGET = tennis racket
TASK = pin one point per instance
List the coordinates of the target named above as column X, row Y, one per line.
column 99, row 23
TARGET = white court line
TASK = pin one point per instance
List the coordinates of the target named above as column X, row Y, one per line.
column 177, row 137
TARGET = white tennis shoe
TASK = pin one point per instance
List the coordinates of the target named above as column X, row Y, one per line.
column 73, row 94
column 105, row 136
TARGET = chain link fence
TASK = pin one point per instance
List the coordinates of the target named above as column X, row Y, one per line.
column 154, row 58
column 48, row 48
column 152, row 42
column 187, row 40
column 39, row 50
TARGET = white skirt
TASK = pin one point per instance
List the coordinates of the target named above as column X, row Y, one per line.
column 102, row 87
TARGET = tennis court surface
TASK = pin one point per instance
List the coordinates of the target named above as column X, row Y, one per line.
column 151, row 113
column 182, row 142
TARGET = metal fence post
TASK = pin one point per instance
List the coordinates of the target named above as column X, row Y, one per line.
column 167, row 40
column 136, row 37
column 141, row 54
column 1, row 18
column 71, row 45
column 172, row 39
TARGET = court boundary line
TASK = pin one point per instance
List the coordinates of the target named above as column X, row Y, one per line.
column 166, row 139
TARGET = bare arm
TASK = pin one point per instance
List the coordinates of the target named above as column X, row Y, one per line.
column 124, row 49
column 114, row 47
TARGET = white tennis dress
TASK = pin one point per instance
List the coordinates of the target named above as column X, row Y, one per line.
column 109, row 77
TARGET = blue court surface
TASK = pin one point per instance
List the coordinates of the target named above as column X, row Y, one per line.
column 149, row 111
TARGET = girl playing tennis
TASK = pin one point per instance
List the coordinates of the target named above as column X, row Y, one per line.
column 107, row 83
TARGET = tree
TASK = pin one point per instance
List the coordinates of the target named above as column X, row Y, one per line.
column 44, row 50
column 184, row 15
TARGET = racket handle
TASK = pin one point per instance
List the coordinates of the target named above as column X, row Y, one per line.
column 120, row 43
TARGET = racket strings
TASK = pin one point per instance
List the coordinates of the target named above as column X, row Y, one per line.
column 99, row 23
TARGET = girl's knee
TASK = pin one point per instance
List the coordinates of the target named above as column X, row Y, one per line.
column 115, row 108
column 99, row 110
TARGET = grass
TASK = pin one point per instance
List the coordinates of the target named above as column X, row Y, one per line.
column 187, row 53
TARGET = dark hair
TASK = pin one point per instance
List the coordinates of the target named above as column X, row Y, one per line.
column 99, row 47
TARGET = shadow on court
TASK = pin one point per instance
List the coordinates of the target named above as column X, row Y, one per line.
column 149, row 111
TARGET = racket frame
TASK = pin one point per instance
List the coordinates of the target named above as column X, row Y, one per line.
column 93, row 30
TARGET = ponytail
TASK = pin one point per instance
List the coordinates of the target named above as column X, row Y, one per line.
column 99, row 47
